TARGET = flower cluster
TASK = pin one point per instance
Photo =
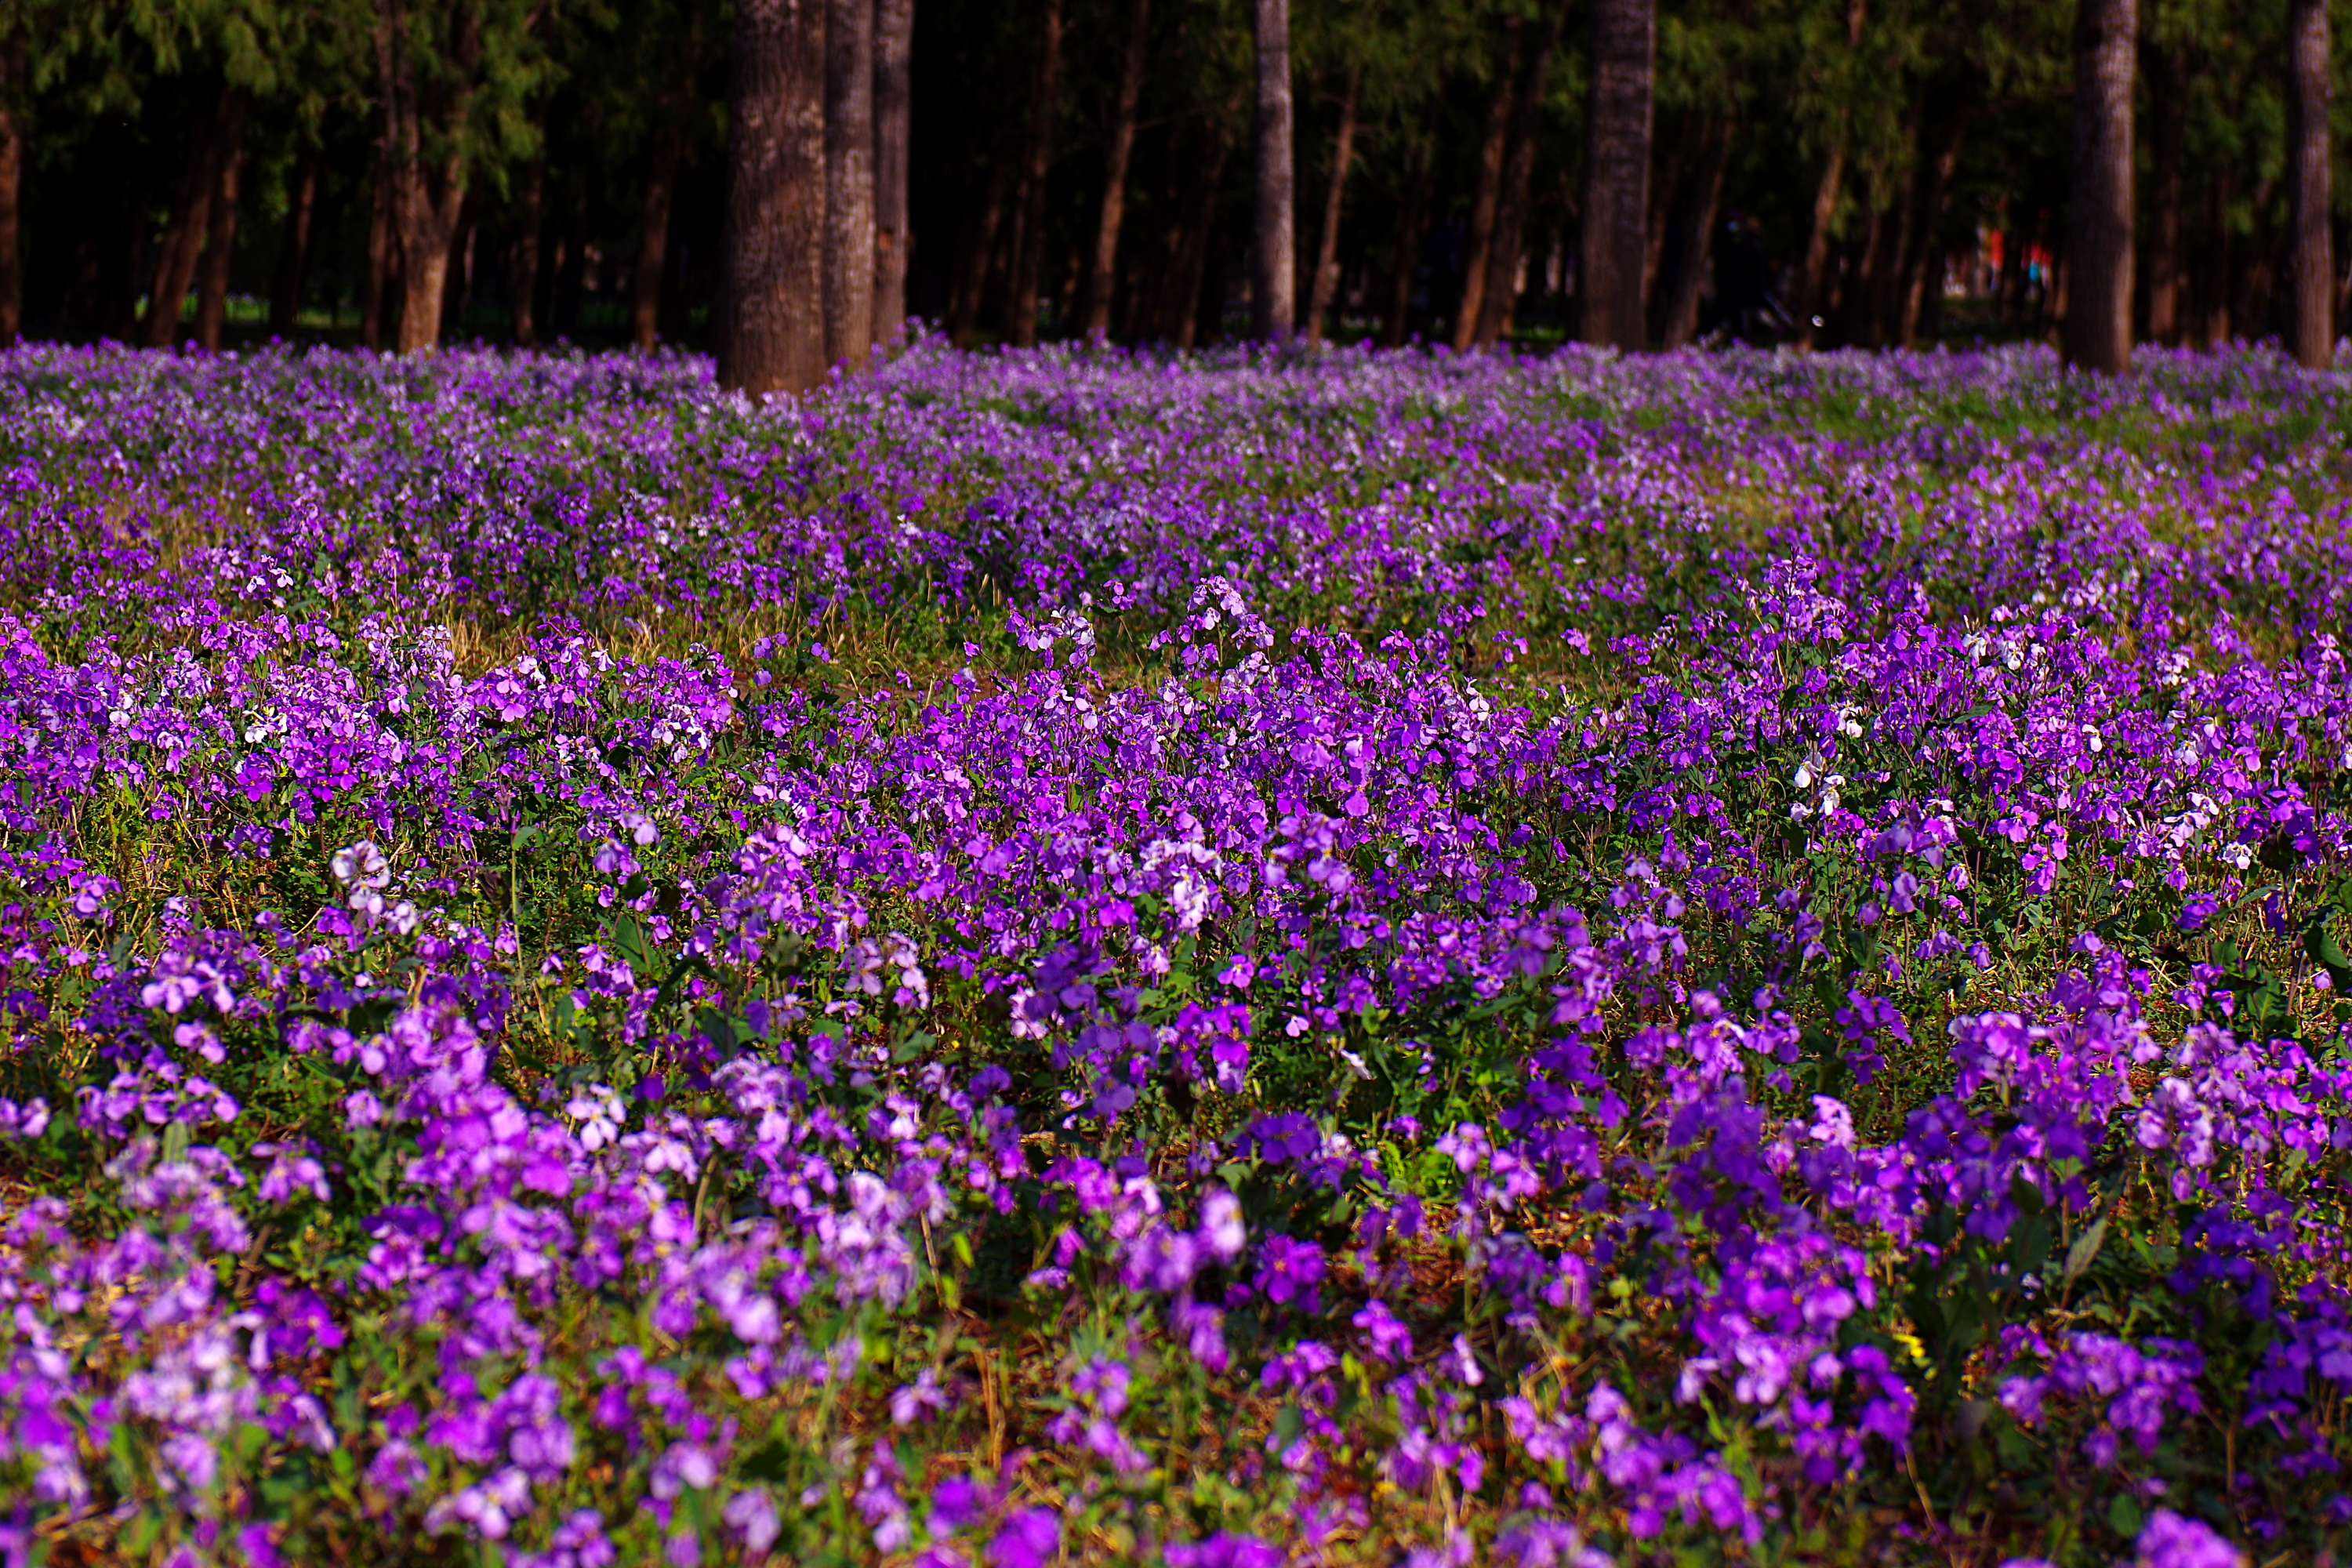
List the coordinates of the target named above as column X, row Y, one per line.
column 1244, row 960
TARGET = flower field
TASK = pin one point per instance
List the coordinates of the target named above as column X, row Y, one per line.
column 1084, row 958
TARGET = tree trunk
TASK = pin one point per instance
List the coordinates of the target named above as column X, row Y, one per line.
column 379, row 293
column 1858, row 307
column 1696, row 206
column 969, row 292
column 220, row 239
column 457, row 283
column 1325, row 286
column 11, row 190
column 182, row 247
column 1510, row 240
column 1939, row 156
column 1274, row 287
column 2166, row 81
column 424, row 285
column 1404, row 262
column 849, row 184
column 531, row 210
column 1666, row 172
column 1102, row 277
column 1486, row 196
column 1617, row 172
column 1813, row 287
column 1029, row 246
column 668, row 153
column 427, row 204
column 894, row 97
column 1196, row 231
column 2252, row 267
column 2310, row 265
column 772, row 323
column 1813, row 281
column 2098, row 328
column 294, row 247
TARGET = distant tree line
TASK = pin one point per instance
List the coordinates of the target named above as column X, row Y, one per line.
column 786, row 181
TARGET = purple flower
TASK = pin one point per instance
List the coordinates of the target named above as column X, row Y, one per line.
column 1028, row 1539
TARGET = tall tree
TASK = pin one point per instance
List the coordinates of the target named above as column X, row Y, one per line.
column 2167, row 71
column 1509, row 241
column 530, row 216
column 1617, row 171
column 1695, row 205
column 1029, row 232
column 1274, row 298
column 426, row 200
column 1404, row 248
column 771, row 333
column 894, row 97
column 2310, row 281
column 673, row 106
column 220, row 243
column 1102, row 277
column 2097, row 330
column 451, row 79
column 1486, row 195
column 379, row 286
column 1323, row 287
column 1813, row 272
column 849, row 182
column 294, row 244
column 177, row 259
column 1942, row 125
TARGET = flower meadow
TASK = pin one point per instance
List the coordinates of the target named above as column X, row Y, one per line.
column 1240, row 960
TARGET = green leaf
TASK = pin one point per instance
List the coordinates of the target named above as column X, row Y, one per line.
column 2086, row 1248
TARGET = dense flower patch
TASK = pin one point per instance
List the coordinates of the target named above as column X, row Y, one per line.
column 1235, row 961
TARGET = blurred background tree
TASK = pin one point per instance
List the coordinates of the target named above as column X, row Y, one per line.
column 1826, row 172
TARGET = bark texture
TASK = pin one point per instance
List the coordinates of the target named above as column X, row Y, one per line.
column 849, row 184
column 1274, row 292
column 426, row 202
column 772, row 336
column 2098, row 328
column 1617, row 172
column 220, row 243
column 894, row 98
